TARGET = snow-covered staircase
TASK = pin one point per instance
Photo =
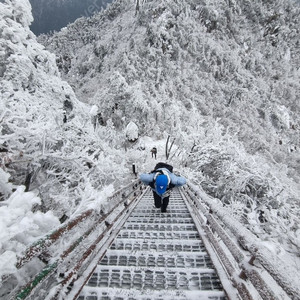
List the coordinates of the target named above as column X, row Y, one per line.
column 130, row 250
column 156, row 256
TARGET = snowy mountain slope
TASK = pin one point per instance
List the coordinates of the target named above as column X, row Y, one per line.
column 48, row 143
column 220, row 77
column 235, row 63
column 232, row 66
column 32, row 92
column 42, row 121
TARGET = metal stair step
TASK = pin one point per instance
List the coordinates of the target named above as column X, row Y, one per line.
column 97, row 293
column 161, row 259
column 160, row 227
column 136, row 234
column 157, row 214
column 158, row 245
column 168, row 220
column 154, row 210
column 155, row 278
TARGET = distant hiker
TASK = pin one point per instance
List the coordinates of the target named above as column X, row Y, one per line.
column 153, row 152
column 65, row 117
column 67, row 108
column 162, row 180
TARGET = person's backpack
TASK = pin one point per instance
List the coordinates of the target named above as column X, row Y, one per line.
column 163, row 165
column 153, row 150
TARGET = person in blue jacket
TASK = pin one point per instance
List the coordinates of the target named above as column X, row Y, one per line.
column 162, row 180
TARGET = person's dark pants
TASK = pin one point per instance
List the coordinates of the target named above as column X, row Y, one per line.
column 161, row 203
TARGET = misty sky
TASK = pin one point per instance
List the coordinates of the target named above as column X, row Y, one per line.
column 52, row 17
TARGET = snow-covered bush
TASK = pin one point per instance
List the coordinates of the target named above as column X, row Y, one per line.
column 5, row 185
column 253, row 187
column 132, row 132
column 66, row 155
column 20, row 227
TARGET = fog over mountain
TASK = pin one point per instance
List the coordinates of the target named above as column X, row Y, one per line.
column 221, row 79
column 52, row 15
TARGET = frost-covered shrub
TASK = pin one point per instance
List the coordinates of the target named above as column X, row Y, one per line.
column 20, row 227
column 251, row 186
column 132, row 132
column 5, row 185
column 63, row 149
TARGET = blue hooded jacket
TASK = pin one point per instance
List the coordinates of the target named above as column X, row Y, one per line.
column 175, row 180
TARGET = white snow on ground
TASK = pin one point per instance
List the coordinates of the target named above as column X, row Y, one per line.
column 19, row 227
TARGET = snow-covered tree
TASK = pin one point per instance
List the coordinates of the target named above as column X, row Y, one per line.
column 132, row 132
